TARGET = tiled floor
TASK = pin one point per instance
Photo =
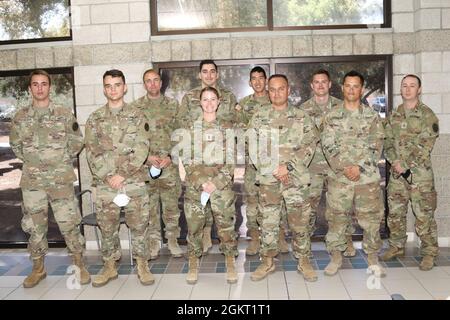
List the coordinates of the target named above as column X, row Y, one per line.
column 352, row 282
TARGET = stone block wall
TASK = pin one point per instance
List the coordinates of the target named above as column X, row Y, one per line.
column 116, row 33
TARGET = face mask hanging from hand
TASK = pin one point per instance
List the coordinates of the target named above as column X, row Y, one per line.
column 121, row 199
column 204, row 197
column 154, row 172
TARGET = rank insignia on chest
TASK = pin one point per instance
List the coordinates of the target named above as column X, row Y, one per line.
column 209, row 137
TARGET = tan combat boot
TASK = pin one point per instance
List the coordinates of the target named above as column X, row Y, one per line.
column 283, row 246
column 192, row 275
column 264, row 269
column 232, row 276
column 305, row 268
column 108, row 272
column 206, row 240
column 350, row 251
column 392, row 252
column 144, row 274
column 336, row 262
column 85, row 277
column 37, row 274
column 253, row 246
column 154, row 249
column 374, row 266
column 427, row 263
column 174, row 248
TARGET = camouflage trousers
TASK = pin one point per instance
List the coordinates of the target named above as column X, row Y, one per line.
column 295, row 199
column 367, row 202
column 318, row 184
column 163, row 195
column 251, row 197
column 136, row 217
column 423, row 202
column 222, row 207
column 35, row 218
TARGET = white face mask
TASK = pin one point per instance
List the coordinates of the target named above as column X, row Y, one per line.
column 121, row 199
column 204, row 198
column 154, row 172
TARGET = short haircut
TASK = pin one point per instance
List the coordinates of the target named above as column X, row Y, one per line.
column 258, row 69
column 354, row 73
column 320, row 71
column 39, row 72
column 148, row 71
column 413, row 76
column 277, row 75
column 209, row 89
column 208, row 61
column 114, row 73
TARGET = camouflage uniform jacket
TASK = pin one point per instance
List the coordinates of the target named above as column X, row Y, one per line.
column 209, row 160
column 298, row 138
column 410, row 138
column 191, row 110
column 353, row 138
column 117, row 144
column 317, row 113
column 47, row 143
column 247, row 107
column 161, row 115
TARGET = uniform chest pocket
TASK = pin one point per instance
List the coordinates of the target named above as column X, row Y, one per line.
column 56, row 131
column 414, row 125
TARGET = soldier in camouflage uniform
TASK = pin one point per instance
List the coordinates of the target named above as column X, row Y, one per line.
column 190, row 111
column 47, row 138
column 352, row 141
column 411, row 132
column 245, row 110
column 317, row 107
column 210, row 171
column 117, row 146
column 284, row 182
column 161, row 113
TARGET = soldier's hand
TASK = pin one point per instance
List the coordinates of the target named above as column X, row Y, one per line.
column 165, row 162
column 154, row 161
column 281, row 172
column 398, row 168
column 352, row 173
column 116, row 181
column 209, row 187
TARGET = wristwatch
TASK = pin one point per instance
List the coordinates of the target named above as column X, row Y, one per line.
column 289, row 166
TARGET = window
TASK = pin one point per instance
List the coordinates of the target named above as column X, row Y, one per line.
column 32, row 21
column 196, row 16
column 13, row 95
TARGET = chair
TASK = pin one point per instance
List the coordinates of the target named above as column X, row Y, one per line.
column 91, row 220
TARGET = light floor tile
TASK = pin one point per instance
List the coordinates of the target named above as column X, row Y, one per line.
column 62, row 294
column 403, row 286
column 248, row 289
column 369, row 287
column 277, row 288
column 21, row 293
column 433, row 273
column 371, row 297
column 436, row 284
column 107, row 292
column 353, row 275
column 446, row 269
column 417, row 296
column 173, row 287
column 398, row 274
column 5, row 291
column 441, row 295
column 296, row 286
column 211, row 286
column 11, row 281
column 327, row 296
column 132, row 289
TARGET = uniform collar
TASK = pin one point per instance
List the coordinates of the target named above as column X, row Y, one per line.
column 108, row 110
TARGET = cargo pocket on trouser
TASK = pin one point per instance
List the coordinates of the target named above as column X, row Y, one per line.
column 67, row 215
